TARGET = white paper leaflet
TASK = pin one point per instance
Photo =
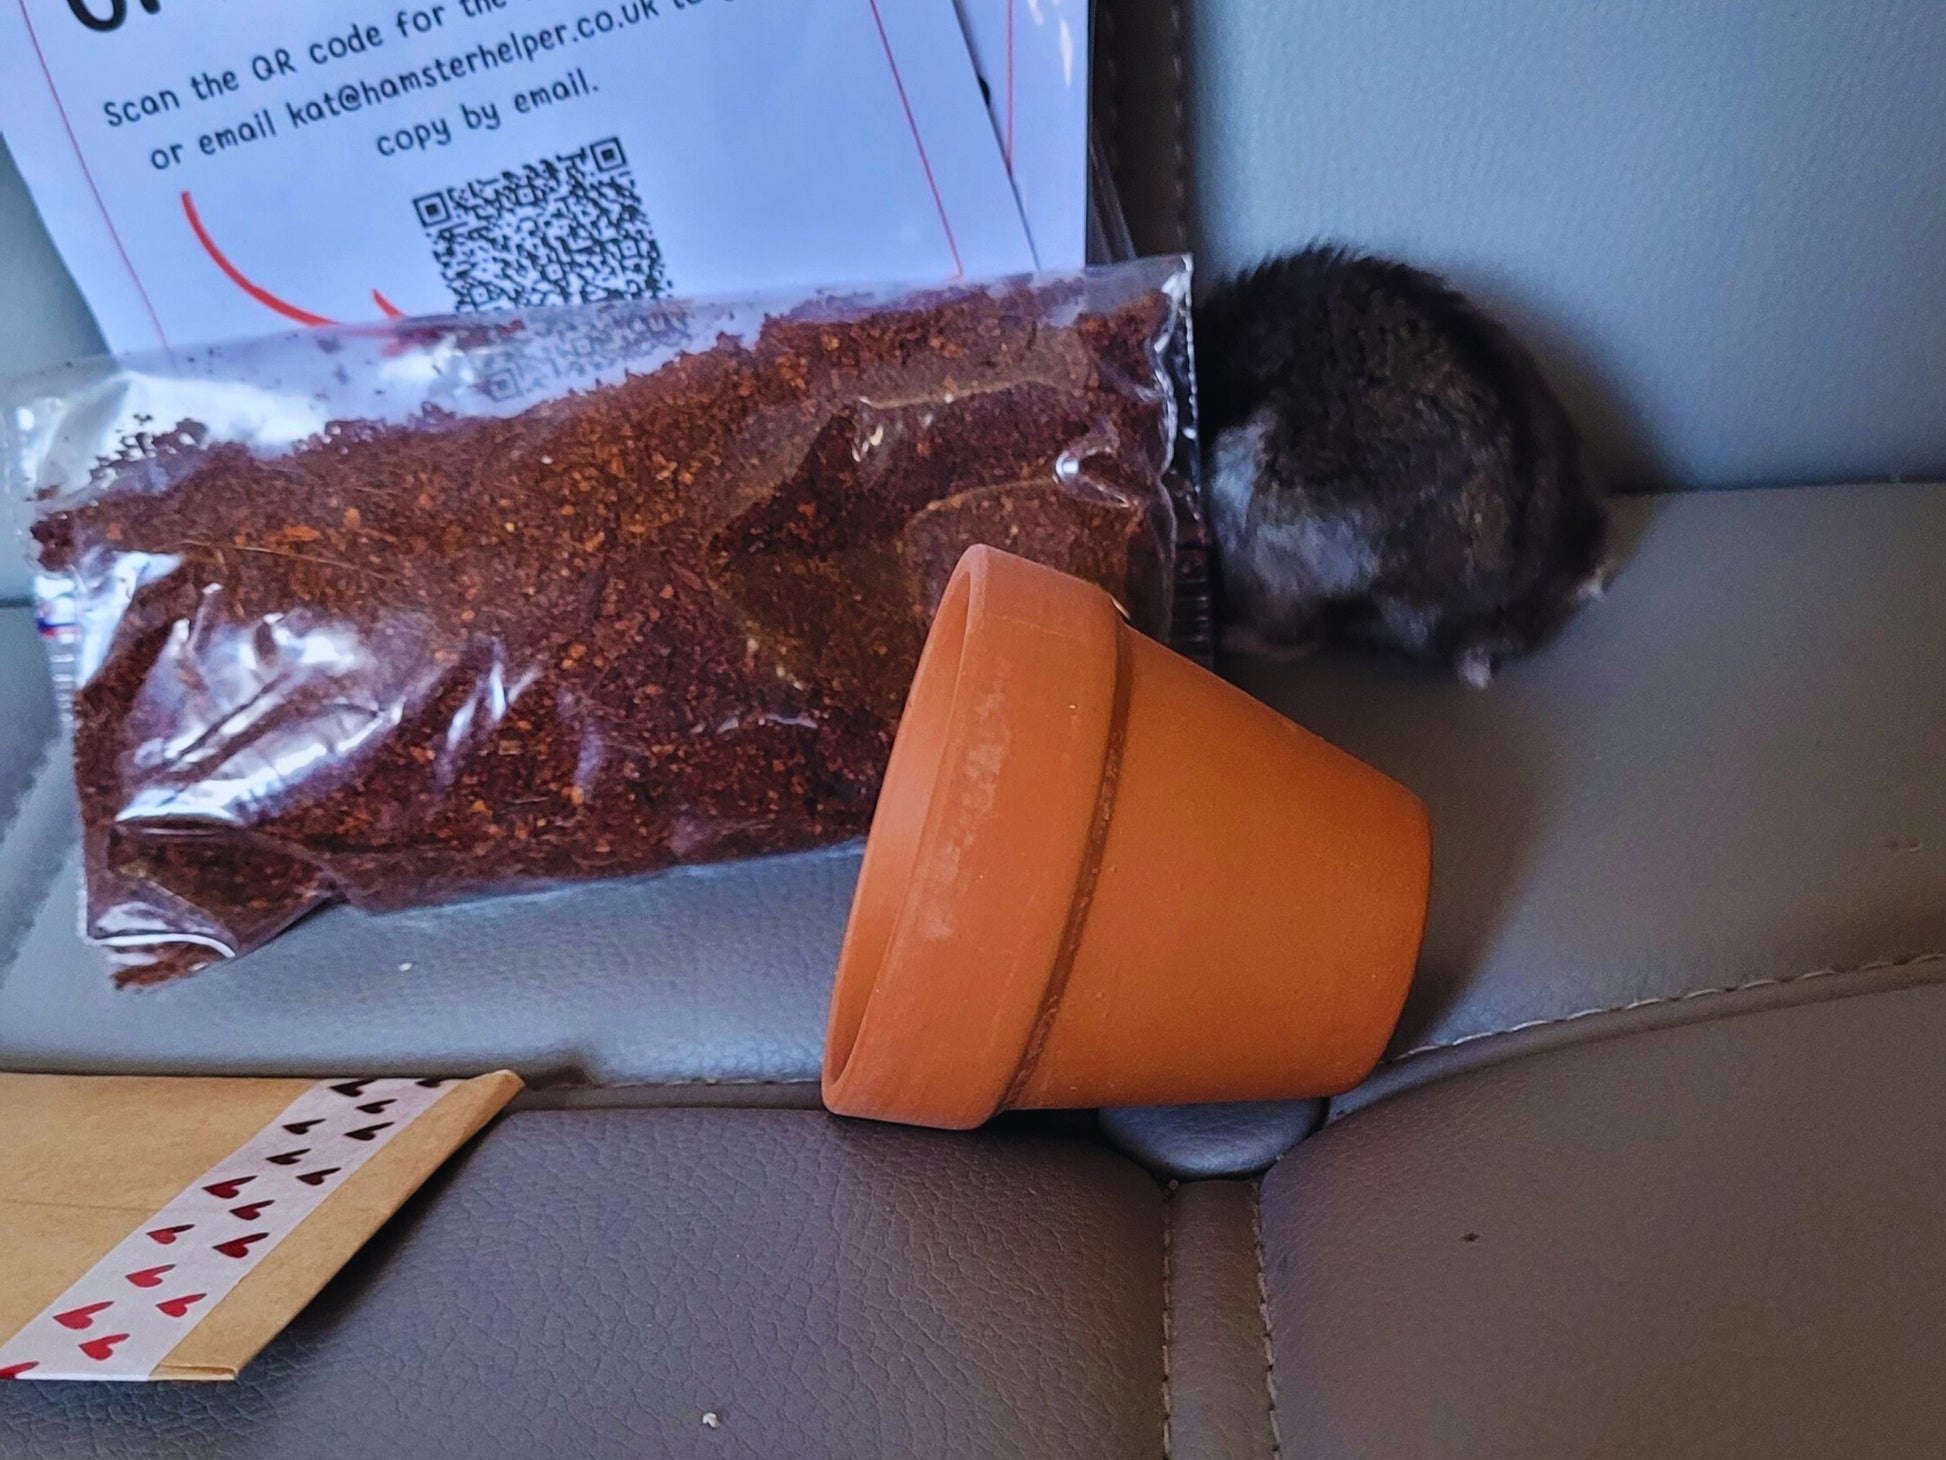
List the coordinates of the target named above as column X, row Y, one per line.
column 211, row 168
column 1032, row 56
column 127, row 1312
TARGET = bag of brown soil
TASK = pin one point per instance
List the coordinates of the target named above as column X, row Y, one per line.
column 393, row 615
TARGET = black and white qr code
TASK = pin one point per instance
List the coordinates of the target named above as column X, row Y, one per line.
column 567, row 229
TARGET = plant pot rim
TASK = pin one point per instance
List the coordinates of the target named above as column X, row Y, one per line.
column 975, row 874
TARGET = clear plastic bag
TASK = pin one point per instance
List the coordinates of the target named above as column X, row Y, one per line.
column 398, row 614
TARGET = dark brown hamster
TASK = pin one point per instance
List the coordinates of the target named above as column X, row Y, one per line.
column 1386, row 464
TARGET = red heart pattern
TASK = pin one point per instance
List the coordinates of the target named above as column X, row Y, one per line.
column 239, row 1246
column 186, row 1307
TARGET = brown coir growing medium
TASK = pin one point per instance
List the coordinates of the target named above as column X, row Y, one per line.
column 666, row 620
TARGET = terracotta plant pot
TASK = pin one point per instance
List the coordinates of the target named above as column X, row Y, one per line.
column 1099, row 875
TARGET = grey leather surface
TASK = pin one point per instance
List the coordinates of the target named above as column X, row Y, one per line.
column 26, row 709
column 591, row 1283
column 1192, row 1141
column 1730, row 771
column 1715, row 1241
column 1721, row 1002
column 1718, row 220
column 1220, row 1385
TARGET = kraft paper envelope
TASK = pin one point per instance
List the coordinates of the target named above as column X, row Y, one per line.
column 169, row 1228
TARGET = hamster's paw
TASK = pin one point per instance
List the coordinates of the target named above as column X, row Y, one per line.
column 1475, row 667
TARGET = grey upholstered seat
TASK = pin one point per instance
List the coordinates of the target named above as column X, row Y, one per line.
column 1655, row 1164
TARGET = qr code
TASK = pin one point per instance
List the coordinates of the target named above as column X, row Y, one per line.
column 560, row 230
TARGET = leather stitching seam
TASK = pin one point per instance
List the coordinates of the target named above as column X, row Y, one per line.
column 1168, row 1281
column 1781, row 981
column 694, row 1083
column 1263, row 1314
column 1179, row 183
column 1776, row 981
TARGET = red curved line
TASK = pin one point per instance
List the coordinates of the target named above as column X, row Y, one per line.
column 261, row 295
column 391, row 310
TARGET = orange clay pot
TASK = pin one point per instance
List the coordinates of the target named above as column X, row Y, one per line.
column 1099, row 875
